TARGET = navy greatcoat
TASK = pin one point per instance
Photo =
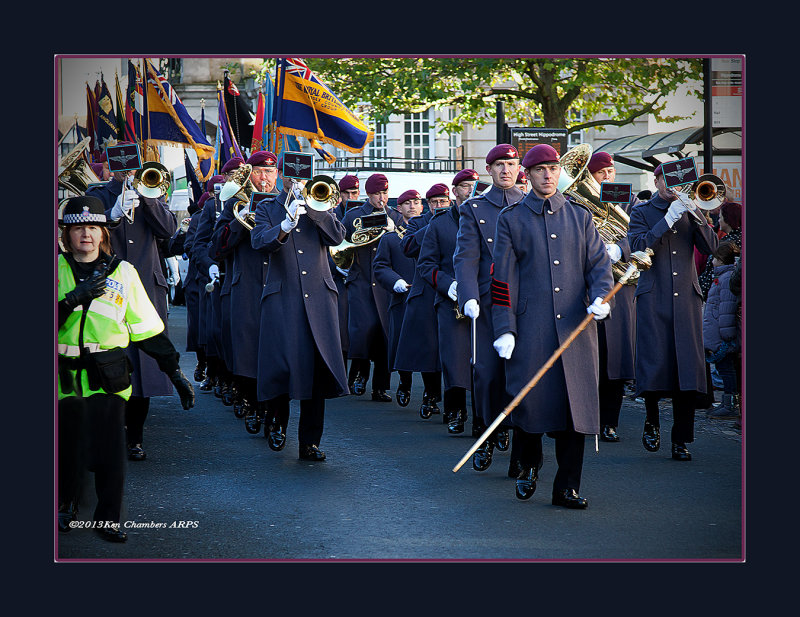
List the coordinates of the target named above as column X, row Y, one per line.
column 203, row 259
column 298, row 305
column 340, row 278
column 367, row 302
column 472, row 262
column 246, row 275
column 418, row 349
column 669, row 301
column 389, row 266
column 137, row 243
column 549, row 265
column 224, row 256
column 435, row 269
column 181, row 244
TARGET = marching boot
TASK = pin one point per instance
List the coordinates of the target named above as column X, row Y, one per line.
column 311, row 453
column 609, row 433
column 502, row 440
column 457, row 421
column 359, row 385
column 403, row 395
column 569, row 498
column 651, row 437
column 483, row 456
column 200, row 372
column 67, row 512
column 680, row 453
column 228, row 394
column 728, row 409
column 253, row 416
column 208, row 384
column 219, row 385
column 381, row 396
column 136, row 452
column 276, row 438
column 429, row 406
column 526, row 482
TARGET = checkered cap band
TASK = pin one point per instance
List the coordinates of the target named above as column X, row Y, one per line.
column 83, row 217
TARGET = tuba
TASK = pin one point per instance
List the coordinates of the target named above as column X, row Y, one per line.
column 76, row 175
column 344, row 253
column 610, row 220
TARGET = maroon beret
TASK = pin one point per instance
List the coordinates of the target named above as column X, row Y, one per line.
column 465, row 174
column 232, row 165
column 501, row 151
column 203, row 199
column 658, row 171
column 262, row 158
column 212, row 181
column 348, row 182
column 375, row 183
column 97, row 168
column 438, row 189
column 540, row 153
column 600, row 160
column 732, row 213
column 409, row 194
column 521, row 177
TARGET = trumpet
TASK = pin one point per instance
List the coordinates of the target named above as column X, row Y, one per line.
column 152, row 180
column 321, row 193
column 706, row 193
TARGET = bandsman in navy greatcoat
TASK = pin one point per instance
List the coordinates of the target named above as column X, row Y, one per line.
column 300, row 353
column 368, row 302
column 550, row 268
column 246, row 274
column 473, row 262
column 435, row 270
column 137, row 243
column 669, row 312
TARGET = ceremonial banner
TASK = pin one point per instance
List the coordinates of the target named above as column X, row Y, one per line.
column 120, row 115
column 228, row 147
column 106, row 121
column 305, row 107
column 239, row 115
column 91, row 124
column 167, row 123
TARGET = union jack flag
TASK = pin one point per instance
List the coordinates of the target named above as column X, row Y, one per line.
column 295, row 66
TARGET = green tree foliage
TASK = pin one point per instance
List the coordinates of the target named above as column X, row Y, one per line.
column 536, row 92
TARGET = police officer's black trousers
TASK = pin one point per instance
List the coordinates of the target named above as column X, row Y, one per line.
column 569, row 455
column 91, row 435
column 136, row 410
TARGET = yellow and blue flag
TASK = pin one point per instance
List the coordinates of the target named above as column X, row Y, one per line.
column 306, row 107
column 167, row 123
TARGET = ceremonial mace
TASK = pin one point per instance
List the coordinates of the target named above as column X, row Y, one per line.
column 640, row 260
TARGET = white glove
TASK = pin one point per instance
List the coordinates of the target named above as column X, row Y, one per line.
column 296, row 208
column 452, row 291
column 389, row 225
column 124, row 206
column 599, row 308
column 504, row 345
column 213, row 271
column 614, row 252
column 400, row 286
column 472, row 309
column 675, row 211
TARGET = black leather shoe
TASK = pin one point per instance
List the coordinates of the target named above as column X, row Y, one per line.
column 276, row 439
column 651, row 437
column 381, row 396
column 311, row 453
column 207, row 385
column 514, row 468
column 136, row 452
column 112, row 534
column 199, row 372
column 609, row 433
column 67, row 512
column 680, row 453
column 218, row 388
column 569, row 498
column 502, row 440
column 457, row 421
column 252, row 418
column 483, row 456
column 228, row 394
column 403, row 397
column 526, row 482
column 359, row 385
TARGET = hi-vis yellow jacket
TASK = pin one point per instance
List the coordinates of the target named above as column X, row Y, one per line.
column 124, row 313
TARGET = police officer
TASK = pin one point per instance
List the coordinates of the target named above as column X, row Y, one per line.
column 418, row 349
column 473, row 263
column 137, row 243
column 368, row 302
column 549, row 266
column 669, row 312
column 435, row 270
column 300, row 354
column 247, row 274
column 103, row 307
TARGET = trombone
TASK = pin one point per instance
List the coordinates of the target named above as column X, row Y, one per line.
column 706, row 193
column 321, row 193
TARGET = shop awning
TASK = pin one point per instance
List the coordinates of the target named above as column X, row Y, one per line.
column 648, row 151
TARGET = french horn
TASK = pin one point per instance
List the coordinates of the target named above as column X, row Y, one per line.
column 610, row 220
column 343, row 254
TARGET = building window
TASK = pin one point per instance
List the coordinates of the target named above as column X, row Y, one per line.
column 417, row 138
column 454, row 150
column 376, row 149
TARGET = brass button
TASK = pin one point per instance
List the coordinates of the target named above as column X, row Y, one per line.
column 306, row 295
column 553, row 236
column 557, row 289
column 558, row 316
column 549, row 212
column 674, row 274
column 304, row 272
column 675, row 294
column 556, row 262
column 482, row 221
column 300, row 251
column 488, row 239
column 674, row 252
column 373, row 284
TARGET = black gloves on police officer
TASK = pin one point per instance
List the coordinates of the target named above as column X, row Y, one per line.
column 86, row 291
column 184, row 388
